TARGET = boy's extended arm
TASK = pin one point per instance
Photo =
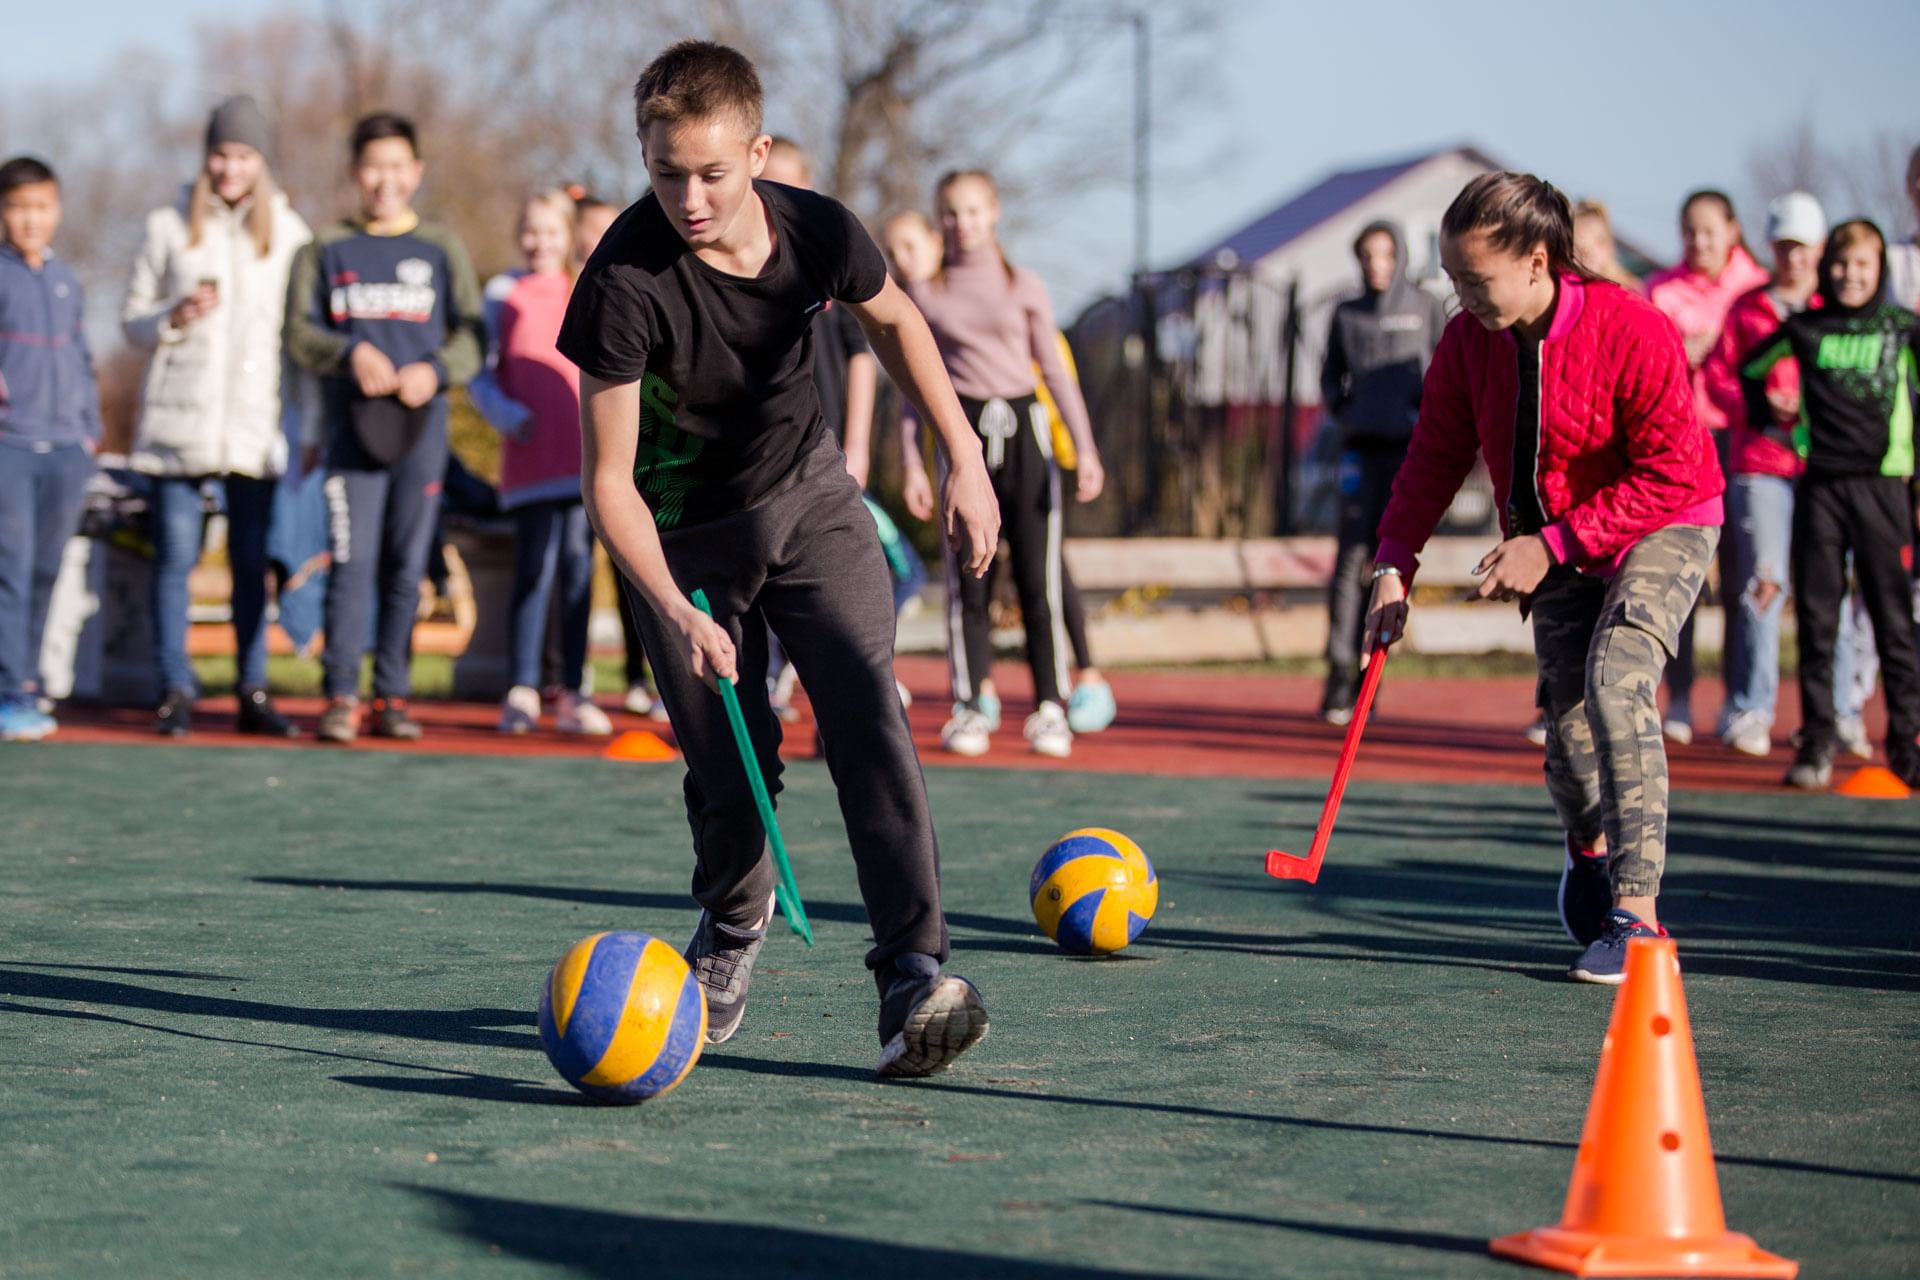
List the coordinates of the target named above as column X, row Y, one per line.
column 313, row 346
column 900, row 338
column 609, row 438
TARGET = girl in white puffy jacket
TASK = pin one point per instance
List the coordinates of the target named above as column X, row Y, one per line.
column 207, row 298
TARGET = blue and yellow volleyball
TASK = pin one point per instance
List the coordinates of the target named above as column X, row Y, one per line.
column 622, row 1017
column 1093, row 891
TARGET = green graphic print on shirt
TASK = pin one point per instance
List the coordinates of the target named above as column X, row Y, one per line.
column 663, row 460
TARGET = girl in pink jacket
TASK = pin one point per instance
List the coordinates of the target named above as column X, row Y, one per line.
column 1577, row 393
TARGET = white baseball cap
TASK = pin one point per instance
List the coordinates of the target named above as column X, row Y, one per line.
column 1796, row 216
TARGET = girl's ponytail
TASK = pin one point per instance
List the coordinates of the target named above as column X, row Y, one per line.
column 1518, row 211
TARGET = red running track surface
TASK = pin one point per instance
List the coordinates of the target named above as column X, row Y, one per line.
column 1197, row 723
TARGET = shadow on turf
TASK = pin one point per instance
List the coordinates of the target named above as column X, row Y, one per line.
column 1371, row 1235
column 483, row 1027
column 723, row 1061
column 463, row 1084
column 621, row 899
column 596, row 1242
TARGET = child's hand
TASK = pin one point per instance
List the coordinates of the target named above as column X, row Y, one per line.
column 1386, row 613
column 1786, row 404
column 917, row 490
column 373, row 371
column 1090, row 478
column 972, row 516
column 709, row 649
column 1699, row 347
column 417, row 384
column 203, row 299
column 1513, row 569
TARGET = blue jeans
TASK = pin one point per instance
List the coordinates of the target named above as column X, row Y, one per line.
column 551, row 540
column 42, row 494
column 1760, row 527
column 177, row 528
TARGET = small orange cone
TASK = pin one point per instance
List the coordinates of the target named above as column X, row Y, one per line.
column 1874, row 783
column 1644, row 1199
column 638, row 744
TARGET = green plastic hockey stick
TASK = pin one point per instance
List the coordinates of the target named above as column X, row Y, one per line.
column 785, row 891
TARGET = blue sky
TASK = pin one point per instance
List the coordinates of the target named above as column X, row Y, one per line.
column 1634, row 102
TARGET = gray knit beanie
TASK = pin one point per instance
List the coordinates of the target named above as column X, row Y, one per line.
column 238, row 119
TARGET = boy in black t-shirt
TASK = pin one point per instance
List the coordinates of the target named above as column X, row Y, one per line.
column 707, row 465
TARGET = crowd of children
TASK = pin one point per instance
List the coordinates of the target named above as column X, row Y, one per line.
column 251, row 320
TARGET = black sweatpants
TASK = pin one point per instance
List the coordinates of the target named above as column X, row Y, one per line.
column 381, row 521
column 1366, row 483
column 804, row 562
column 1872, row 517
column 1019, row 447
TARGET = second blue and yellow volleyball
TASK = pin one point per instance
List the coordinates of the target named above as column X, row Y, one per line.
column 622, row 1017
column 1093, row 891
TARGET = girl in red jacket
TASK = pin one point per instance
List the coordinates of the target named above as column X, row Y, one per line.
column 1579, row 395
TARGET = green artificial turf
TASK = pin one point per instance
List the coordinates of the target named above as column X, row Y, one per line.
column 270, row 1014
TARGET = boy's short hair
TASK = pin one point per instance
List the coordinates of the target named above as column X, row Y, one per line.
column 1852, row 232
column 698, row 80
column 24, row 171
column 383, row 124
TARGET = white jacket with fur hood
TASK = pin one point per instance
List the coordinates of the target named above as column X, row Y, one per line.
column 212, row 397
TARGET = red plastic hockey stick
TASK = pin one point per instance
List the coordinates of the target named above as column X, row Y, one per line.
column 1290, row 866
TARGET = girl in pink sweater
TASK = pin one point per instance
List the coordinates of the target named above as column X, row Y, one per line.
column 537, row 409
column 994, row 323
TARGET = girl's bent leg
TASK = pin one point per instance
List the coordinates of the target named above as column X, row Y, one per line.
column 1647, row 603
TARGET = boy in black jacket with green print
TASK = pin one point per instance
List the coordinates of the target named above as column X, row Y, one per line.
column 1858, row 357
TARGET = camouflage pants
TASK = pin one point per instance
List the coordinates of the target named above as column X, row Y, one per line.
column 1602, row 645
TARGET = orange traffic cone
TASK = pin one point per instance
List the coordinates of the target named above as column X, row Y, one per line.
column 1644, row 1199
column 1873, row 782
column 638, row 744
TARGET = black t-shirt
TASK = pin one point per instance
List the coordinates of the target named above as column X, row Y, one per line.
column 1524, row 513
column 728, row 404
column 837, row 338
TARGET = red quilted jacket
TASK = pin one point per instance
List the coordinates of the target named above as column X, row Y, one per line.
column 1751, row 322
column 1621, row 453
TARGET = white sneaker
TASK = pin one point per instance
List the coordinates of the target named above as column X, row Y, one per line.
column 906, row 699
column 1750, row 733
column 1047, row 732
column 1677, row 731
column 1537, row 731
column 966, row 734
column 575, row 714
column 1851, row 731
column 520, row 710
column 639, row 700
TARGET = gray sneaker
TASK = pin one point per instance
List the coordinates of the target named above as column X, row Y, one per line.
column 722, row 956
column 927, row 1018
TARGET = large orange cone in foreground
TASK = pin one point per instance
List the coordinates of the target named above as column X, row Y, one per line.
column 1872, row 782
column 1644, row 1200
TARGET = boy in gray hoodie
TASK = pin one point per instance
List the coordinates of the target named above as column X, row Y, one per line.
column 1378, row 347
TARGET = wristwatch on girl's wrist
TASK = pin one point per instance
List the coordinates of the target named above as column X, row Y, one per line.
column 1383, row 570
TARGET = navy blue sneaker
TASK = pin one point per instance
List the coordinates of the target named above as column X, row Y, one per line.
column 927, row 1018
column 721, row 957
column 1586, row 894
column 1605, row 962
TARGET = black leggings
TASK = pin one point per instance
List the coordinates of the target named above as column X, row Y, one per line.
column 1870, row 516
column 1019, row 451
